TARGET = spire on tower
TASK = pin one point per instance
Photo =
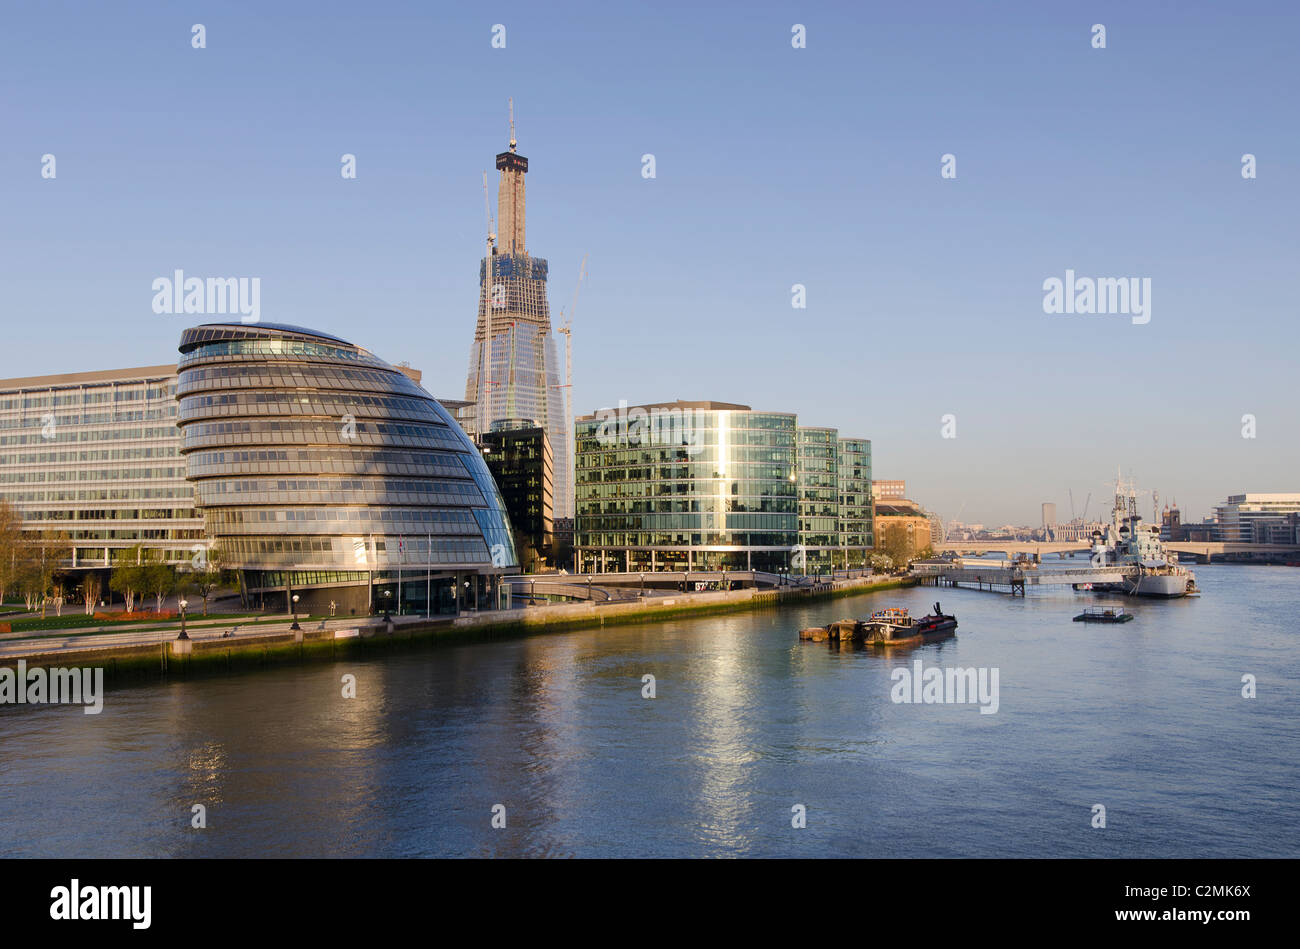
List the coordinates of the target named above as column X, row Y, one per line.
column 510, row 195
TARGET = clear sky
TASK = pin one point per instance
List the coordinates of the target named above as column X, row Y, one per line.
column 774, row 166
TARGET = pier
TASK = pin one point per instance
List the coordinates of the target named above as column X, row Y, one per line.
column 1014, row 579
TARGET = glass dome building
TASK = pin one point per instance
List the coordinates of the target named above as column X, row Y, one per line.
column 322, row 471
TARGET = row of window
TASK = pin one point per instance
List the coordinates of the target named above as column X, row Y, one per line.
column 94, row 454
column 337, row 491
column 203, row 464
column 61, row 435
column 89, row 418
column 273, row 376
column 87, row 397
column 93, row 474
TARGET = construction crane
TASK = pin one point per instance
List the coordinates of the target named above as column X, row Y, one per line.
column 1071, row 490
column 488, row 288
column 566, row 328
column 1083, row 518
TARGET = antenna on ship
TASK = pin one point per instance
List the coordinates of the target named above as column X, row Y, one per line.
column 513, row 143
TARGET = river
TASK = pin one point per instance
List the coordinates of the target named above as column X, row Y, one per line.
column 1146, row 719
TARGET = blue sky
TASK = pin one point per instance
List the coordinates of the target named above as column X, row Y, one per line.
column 774, row 165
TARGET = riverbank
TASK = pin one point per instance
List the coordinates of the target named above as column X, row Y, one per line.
column 258, row 648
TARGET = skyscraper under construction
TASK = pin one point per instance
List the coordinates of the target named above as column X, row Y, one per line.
column 515, row 381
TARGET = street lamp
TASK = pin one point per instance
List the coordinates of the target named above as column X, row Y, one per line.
column 182, row 604
column 295, row 613
column 643, row 584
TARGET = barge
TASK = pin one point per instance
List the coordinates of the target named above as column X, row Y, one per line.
column 894, row 626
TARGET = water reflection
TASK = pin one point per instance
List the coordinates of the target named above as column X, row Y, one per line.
column 748, row 721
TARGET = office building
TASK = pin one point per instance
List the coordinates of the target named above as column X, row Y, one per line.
column 324, row 472
column 714, row 485
column 1239, row 515
column 96, row 456
column 514, row 372
column 520, row 460
column 888, row 490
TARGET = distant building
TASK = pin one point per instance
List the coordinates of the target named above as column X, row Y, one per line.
column 1049, row 516
column 1238, row 515
column 520, row 460
column 903, row 527
column 514, row 370
column 888, row 490
column 1171, row 524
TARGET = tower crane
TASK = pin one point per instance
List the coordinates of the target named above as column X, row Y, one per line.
column 567, row 329
column 488, row 286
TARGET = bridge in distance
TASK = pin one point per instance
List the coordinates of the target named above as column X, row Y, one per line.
column 1203, row 551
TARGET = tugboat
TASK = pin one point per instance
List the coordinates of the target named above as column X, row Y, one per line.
column 893, row 627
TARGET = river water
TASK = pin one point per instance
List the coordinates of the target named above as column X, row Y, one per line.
column 1146, row 719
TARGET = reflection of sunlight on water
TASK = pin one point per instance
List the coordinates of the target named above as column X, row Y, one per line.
column 725, row 741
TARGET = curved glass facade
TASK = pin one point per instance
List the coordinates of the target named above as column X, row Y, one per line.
column 316, row 463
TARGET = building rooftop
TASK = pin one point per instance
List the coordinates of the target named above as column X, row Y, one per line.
column 88, row 378
column 705, row 406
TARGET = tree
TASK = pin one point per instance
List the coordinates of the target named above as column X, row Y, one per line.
column 47, row 551
column 882, row 562
column 892, row 541
column 159, row 579
column 207, row 575
column 127, row 577
column 90, row 588
column 13, row 551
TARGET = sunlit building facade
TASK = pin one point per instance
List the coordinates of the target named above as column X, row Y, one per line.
column 819, row 491
column 855, row 523
column 96, row 456
column 514, row 371
column 711, row 486
column 323, row 471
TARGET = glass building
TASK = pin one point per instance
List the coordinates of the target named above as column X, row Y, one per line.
column 520, row 460
column 325, row 472
column 714, row 485
column 514, row 372
column 856, row 525
column 95, row 455
column 685, row 486
column 819, row 499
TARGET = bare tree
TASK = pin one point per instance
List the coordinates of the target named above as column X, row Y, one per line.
column 128, row 575
column 90, row 589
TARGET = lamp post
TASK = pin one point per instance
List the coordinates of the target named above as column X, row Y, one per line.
column 182, row 604
column 295, row 613
column 642, row 584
